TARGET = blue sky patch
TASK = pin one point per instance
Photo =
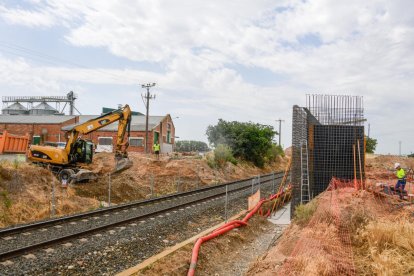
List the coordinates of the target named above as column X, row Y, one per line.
column 258, row 75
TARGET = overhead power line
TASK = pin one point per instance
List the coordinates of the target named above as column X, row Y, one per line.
column 21, row 51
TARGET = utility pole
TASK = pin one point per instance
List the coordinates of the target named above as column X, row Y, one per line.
column 147, row 97
column 280, row 131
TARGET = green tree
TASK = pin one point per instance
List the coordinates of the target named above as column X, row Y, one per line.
column 248, row 141
column 371, row 144
column 191, row 145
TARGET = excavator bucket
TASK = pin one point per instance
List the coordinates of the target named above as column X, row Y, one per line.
column 83, row 175
column 122, row 164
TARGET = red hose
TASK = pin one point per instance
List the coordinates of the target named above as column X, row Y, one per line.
column 225, row 228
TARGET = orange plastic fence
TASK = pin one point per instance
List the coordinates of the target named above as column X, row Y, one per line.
column 13, row 143
column 341, row 253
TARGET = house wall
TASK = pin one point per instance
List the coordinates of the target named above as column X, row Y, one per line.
column 47, row 132
column 162, row 129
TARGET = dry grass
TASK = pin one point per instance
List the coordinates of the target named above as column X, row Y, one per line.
column 386, row 248
column 26, row 195
column 304, row 212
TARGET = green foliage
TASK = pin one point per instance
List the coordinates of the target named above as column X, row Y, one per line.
column 210, row 161
column 273, row 152
column 15, row 164
column 187, row 146
column 248, row 141
column 304, row 212
column 371, row 144
column 411, row 155
column 222, row 155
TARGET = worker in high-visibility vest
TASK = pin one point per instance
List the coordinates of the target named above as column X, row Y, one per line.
column 156, row 147
column 400, row 173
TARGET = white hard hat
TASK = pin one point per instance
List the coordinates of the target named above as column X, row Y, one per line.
column 396, row 165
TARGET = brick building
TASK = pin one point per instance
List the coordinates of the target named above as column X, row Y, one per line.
column 41, row 128
column 52, row 128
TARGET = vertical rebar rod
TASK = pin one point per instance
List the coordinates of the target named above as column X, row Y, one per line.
column 360, row 165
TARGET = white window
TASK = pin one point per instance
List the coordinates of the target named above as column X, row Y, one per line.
column 105, row 141
column 136, row 141
column 104, row 144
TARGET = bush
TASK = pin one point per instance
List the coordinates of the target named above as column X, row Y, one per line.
column 247, row 141
column 371, row 145
column 304, row 212
column 221, row 155
column 273, row 152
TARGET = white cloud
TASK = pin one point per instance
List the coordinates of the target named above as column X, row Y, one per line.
column 319, row 45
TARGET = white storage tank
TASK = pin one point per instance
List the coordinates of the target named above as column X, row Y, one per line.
column 43, row 109
column 15, row 109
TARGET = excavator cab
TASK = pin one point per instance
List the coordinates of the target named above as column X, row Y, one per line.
column 82, row 151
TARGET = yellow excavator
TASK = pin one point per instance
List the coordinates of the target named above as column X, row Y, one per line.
column 69, row 163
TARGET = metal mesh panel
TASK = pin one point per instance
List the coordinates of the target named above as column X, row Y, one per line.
column 332, row 126
column 299, row 134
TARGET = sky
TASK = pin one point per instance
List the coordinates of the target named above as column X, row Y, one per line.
column 236, row 60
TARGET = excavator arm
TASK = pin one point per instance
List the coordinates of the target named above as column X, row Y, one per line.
column 123, row 116
column 67, row 163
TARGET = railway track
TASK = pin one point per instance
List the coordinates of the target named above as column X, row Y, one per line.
column 22, row 239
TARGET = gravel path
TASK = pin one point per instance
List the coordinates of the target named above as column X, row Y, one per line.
column 118, row 248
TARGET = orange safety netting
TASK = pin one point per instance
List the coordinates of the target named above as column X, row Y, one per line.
column 329, row 240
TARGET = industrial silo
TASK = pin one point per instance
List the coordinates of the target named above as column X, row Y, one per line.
column 43, row 109
column 15, row 109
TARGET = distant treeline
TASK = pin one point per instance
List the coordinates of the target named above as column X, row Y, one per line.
column 190, row 145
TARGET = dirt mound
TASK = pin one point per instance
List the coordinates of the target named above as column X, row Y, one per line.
column 170, row 174
column 26, row 195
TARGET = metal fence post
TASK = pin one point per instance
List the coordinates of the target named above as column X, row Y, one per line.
column 53, row 199
column 198, row 177
column 258, row 180
column 252, row 185
column 152, row 184
column 225, row 204
column 178, row 184
column 109, row 189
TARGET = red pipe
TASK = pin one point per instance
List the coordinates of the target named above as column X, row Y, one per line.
column 225, row 228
